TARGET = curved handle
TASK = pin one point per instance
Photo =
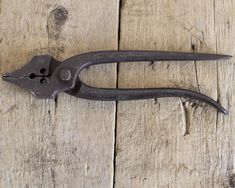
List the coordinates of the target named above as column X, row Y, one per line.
column 109, row 94
column 76, row 88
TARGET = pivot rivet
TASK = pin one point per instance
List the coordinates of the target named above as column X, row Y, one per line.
column 65, row 75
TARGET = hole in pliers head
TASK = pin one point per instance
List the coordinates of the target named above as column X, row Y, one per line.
column 43, row 81
column 32, row 76
column 42, row 71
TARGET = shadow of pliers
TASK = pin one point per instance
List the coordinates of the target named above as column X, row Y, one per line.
column 45, row 76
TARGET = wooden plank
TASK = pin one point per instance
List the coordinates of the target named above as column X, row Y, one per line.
column 26, row 156
column 86, row 133
column 66, row 142
column 225, row 19
column 173, row 142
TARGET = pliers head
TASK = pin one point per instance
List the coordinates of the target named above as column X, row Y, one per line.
column 35, row 76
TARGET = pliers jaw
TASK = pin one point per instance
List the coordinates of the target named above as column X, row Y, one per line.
column 35, row 76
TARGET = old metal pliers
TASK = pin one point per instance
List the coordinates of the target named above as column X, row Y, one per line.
column 45, row 76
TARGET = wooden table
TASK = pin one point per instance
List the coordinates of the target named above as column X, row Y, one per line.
column 70, row 142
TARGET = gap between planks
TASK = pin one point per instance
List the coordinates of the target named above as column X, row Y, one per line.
column 116, row 107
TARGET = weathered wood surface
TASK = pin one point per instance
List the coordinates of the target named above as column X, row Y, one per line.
column 67, row 142
column 70, row 142
column 169, row 142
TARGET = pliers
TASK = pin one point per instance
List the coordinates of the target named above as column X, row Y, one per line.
column 45, row 77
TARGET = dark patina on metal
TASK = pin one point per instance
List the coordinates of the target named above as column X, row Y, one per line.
column 45, row 77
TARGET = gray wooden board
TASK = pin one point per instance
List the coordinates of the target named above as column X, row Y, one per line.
column 176, row 142
column 68, row 142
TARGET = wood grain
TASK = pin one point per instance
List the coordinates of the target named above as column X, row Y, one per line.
column 176, row 142
column 67, row 142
